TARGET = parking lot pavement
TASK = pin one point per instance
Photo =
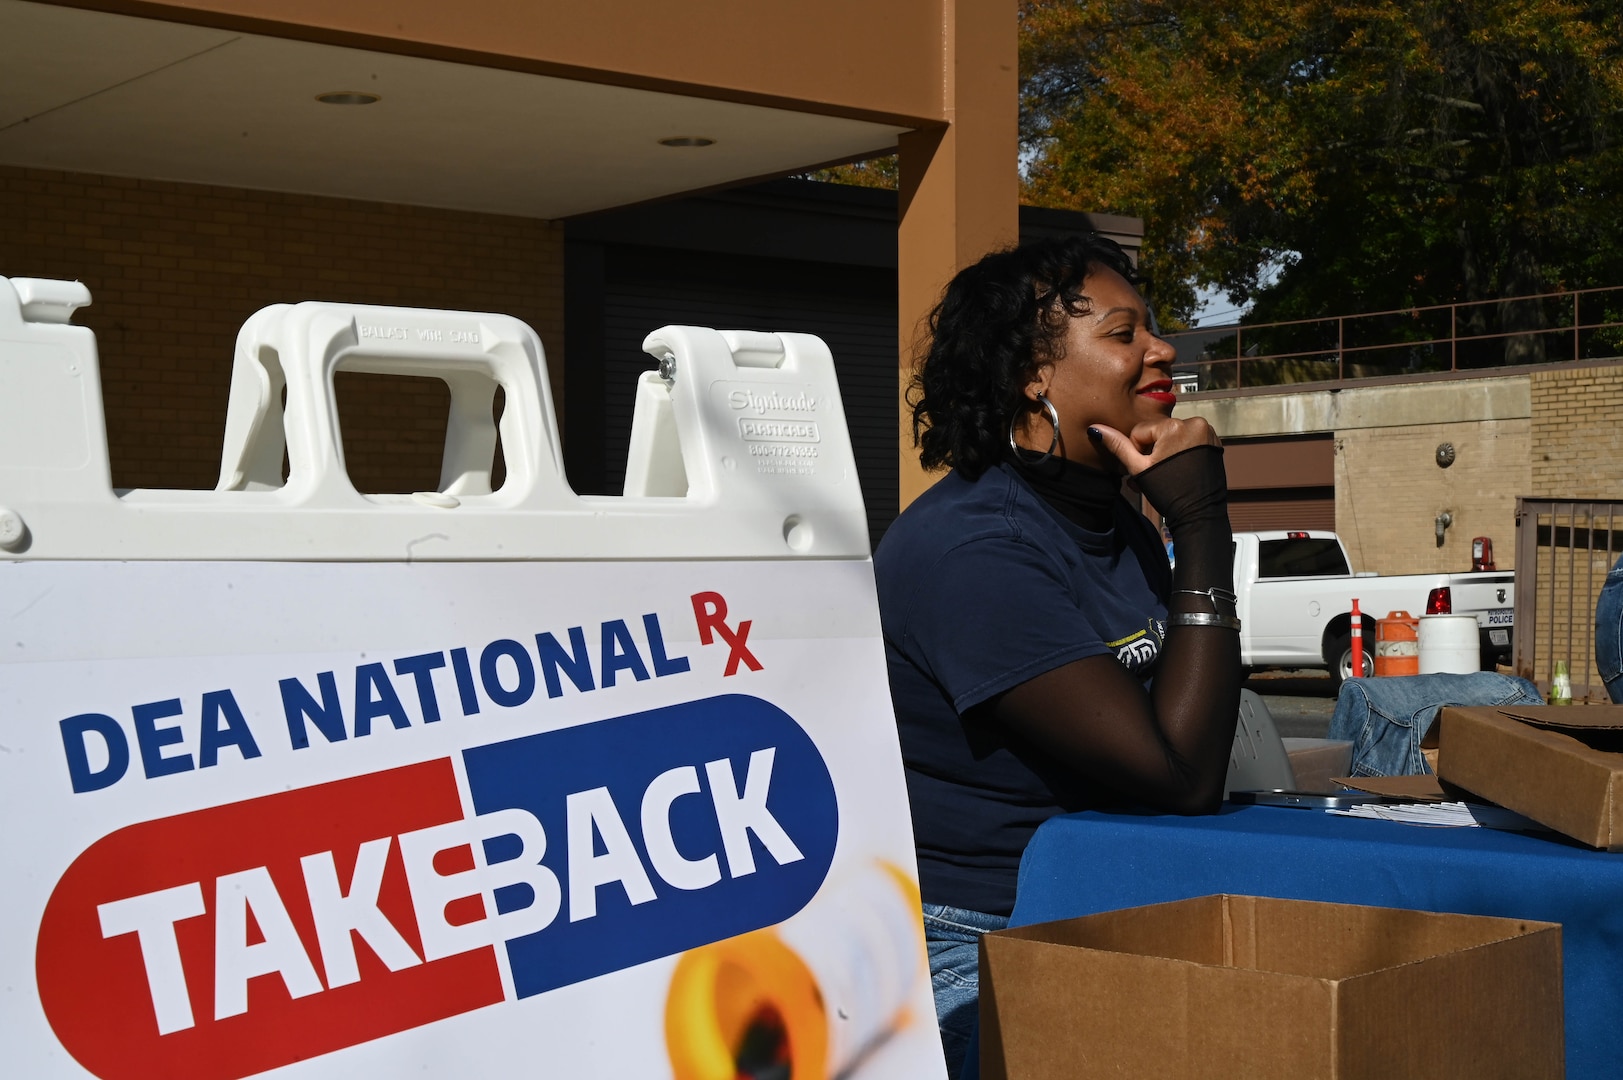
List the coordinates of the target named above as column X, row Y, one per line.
column 1301, row 701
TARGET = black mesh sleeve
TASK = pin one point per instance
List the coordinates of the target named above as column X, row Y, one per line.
column 1167, row 748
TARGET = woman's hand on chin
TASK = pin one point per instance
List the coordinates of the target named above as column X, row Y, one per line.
column 1153, row 441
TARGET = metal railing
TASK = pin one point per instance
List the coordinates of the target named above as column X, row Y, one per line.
column 1583, row 324
column 1564, row 547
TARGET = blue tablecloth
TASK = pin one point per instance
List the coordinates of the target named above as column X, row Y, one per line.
column 1085, row 863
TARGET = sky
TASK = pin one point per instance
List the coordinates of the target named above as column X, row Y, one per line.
column 1216, row 309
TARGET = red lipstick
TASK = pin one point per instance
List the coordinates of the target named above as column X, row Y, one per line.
column 1163, row 392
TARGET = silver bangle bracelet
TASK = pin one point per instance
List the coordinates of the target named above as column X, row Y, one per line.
column 1203, row 618
column 1215, row 594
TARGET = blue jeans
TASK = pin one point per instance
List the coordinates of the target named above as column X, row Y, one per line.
column 1609, row 633
column 1386, row 718
column 952, row 936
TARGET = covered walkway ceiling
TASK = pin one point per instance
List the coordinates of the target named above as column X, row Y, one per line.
column 86, row 91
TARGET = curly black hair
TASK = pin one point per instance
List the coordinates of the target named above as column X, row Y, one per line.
column 997, row 322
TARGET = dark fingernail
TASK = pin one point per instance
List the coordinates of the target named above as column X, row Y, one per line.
column 1095, row 434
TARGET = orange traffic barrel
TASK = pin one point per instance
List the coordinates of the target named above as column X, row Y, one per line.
column 1397, row 644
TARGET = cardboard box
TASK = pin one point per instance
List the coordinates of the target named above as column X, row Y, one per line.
column 1262, row 989
column 1315, row 762
column 1558, row 765
column 1420, row 787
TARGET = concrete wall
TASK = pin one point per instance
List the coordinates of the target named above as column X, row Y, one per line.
column 174, row 269
column 1389, row 487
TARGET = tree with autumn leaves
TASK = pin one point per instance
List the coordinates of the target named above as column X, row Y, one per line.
column 1375, row 155
column 1332, row 156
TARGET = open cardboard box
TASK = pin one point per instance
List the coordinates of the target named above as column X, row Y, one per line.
column 1562, row 766
column 1240, row 986
column 1417, row 788
column 1316, row 762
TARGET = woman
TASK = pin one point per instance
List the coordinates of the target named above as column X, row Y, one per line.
column 1043, row 656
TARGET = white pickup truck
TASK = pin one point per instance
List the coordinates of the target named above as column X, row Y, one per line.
column 1296, row 589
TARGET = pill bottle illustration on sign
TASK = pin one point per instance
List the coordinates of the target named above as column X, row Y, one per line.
column 806, row 999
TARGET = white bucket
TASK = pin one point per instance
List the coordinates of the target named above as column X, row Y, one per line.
column 1449, row 643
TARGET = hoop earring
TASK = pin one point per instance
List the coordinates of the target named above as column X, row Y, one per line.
column 1053, row 444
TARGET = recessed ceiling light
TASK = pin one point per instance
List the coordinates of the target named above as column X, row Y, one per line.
column 346, row 97
column 687, row 140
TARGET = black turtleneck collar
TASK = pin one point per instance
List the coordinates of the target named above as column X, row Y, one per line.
column 1083, row 496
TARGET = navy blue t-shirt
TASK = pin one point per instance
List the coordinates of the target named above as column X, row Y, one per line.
column 982, row 586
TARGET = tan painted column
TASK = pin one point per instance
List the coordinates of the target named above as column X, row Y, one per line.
column 959, row 184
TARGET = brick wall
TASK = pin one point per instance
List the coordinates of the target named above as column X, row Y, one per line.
column 174, row 269
column 1577, row 453
column 1578, row 432
column 1389, row 490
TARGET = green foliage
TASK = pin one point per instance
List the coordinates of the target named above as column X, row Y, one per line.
column 880, row 172
column 1389, row 154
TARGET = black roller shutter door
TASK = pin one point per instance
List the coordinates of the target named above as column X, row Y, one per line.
column 1265, row 509
column 1281, row 482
